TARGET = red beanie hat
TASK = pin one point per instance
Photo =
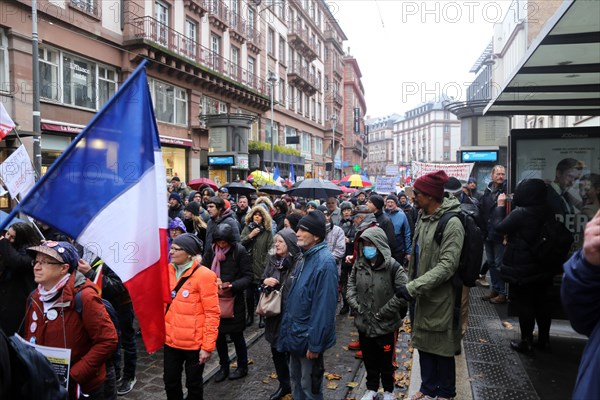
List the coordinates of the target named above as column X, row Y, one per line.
column 432, row 184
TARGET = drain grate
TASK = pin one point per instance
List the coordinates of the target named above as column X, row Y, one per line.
column 490, row 354
column 489, row 393
column 482, row 335
column 481, row 321
column 500, row 376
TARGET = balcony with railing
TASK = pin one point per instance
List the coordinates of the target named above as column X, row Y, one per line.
column 300, row 77
column 298, row 38
column 218, row 14
column 253, row 38
column 198, row 7
column 332, row 36
column 149, row 30
column 237, row 27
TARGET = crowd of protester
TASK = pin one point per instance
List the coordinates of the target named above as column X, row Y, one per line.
column 372, row 255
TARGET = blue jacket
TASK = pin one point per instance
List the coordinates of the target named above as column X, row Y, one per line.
column 308, row 321
column 401, row 229
column 580, row 294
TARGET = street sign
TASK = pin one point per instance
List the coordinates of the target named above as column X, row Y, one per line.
column 356, row 168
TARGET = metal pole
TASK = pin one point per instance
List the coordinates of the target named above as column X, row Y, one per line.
column 272, row 81
column 37, row 132
column 333, row 121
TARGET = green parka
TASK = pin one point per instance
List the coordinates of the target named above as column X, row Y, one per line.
column 431, row 281
column 371, row 289
column 260, row 245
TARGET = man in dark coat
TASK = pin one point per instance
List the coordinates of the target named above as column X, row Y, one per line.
column 219, row 214
column 494, row 249
column 376, row 204
column 175, row 206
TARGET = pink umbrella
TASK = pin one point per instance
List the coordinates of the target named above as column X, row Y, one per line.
column 196, row 183
column 347, row 189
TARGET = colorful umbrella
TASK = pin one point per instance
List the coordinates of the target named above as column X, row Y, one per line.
column 196, row 183
column 355, row 180
column 261, row 178
column 348, row 189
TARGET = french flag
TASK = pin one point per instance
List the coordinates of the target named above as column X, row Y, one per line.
column 108, row 192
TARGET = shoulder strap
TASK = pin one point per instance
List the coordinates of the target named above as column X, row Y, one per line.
column 395, row 267
column 441, row 226
column 181, row 282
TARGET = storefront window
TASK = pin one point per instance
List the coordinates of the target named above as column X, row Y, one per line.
column 79, row 82
column 174, row 161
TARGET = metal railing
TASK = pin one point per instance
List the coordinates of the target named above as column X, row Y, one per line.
column 150, row 29
column 303, row 72
column 302, row 33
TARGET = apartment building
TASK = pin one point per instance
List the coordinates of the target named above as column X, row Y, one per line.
column 427, row 133
column 355, row 107
column 380, row 146
column 206, row 57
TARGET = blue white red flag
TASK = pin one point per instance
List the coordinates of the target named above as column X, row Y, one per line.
column 108, row 192
column 292, row 174
column 6, row 123
column 277, row 177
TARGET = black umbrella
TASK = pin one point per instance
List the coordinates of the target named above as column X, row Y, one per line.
column 272, row 189
column 315, row 189
column 240, row 188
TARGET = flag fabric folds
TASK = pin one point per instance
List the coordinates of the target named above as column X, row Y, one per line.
column 6, row 123
column 108, row 192
column 292, row 174
column 277, row 177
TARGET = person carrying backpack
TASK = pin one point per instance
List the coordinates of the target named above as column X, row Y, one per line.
column 52, row 320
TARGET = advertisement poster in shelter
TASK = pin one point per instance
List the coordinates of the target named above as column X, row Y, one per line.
column 568, row 159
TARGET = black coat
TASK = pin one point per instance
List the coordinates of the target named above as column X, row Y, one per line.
column 236, row 269
column 522, row 226
column 487, row 206
column 16, row 283
column 387, row 225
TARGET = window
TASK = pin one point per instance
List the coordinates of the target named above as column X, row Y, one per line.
column 281, row 50
column 49, row 78
column 235, row 61
column 268, row 132
column 281, row 8
column 161, row 13
column 4, row 83
column 306, row 139
column 313, row 105
column 107, row 84
column 88, row 6
column 215, row 47
column 250, row 22
column 291, row 93
column 282, row 91
column 251, row 77
column 299, row 102
column 271, row 42
column 319, row 106
column 170, row 102
column 191, row 32
column 290, row 132
column 318, row 146
column 234, row 13
column 83, row 82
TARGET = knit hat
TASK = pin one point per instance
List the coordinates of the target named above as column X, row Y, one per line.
column 345, row 205
column 63, row 252
column 293, row 219
column 191, row 196
column 323, row 209
column 453, row 185
column 312, row 204
column 432, row 184
column 394, row 198
column 189, row 243
column 402, row 194
column 314, row 222
column 472, row 180
column 193, row 207
column 377, row 201
column 175, row 196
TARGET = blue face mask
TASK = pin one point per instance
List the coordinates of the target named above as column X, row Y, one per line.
column 370, row 252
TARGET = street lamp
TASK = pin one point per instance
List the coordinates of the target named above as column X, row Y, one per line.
column 272, row 78
column 333, row 122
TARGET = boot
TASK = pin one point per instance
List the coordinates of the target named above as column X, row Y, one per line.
column 281, row 392
column 250, row 320
column 490, row 295
column 239, row 372
column 222, row 375
column 500, row 299
column 345, row 309
column 261, row 322
column 522, row 346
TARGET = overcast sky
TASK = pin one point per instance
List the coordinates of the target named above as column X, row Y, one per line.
column 409, row 51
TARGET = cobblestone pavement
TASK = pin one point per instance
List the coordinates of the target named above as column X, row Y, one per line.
column 261, row 380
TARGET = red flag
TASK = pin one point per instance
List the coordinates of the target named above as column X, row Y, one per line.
column 6, row 123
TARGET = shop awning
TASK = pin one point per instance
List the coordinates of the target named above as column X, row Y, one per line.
column 560, row 73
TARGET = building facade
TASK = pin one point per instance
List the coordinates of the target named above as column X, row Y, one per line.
column 206, row 57
column 380, row 144
column 355, row 107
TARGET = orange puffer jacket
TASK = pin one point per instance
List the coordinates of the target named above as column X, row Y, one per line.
column 192, row 322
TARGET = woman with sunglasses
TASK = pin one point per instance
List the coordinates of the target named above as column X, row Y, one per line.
column 192, row 319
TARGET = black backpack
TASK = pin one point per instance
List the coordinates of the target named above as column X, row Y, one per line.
column 552, row 246
column 112, row 313
column 33, row 377
column 471, row 254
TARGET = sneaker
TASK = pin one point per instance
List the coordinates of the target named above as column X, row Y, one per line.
column 369, row 395
column 126, row 386
column 482, row 282
column 388, row 396
column 358, row 354
column 421, row 396
column 354, row 345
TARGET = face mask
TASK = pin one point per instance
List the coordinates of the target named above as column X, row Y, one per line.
column 370, row 252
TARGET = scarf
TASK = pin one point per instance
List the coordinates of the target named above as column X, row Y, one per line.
column 219, row 255
column 52, row 294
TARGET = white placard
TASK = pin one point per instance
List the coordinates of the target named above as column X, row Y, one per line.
column 59, row 358
column 17, row 173
column 459, row 171
column 385, row 184
column 391, row 170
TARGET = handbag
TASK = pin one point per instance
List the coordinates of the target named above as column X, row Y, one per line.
column 269, row 304
column 226, row 303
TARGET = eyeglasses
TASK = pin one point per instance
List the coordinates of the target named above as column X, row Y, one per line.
column 176, row 248
column 34, row 262
column 416, row 193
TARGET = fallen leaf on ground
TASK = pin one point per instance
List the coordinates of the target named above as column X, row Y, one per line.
column 273, row 375
column 482, row 340
column 345, row 347
column 353, row 333
column 507, row 325
column 332, row 376
column 352, row 384
column 266, row 381
column 332, row 385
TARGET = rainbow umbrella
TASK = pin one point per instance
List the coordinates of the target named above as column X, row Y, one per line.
column 355, row 180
